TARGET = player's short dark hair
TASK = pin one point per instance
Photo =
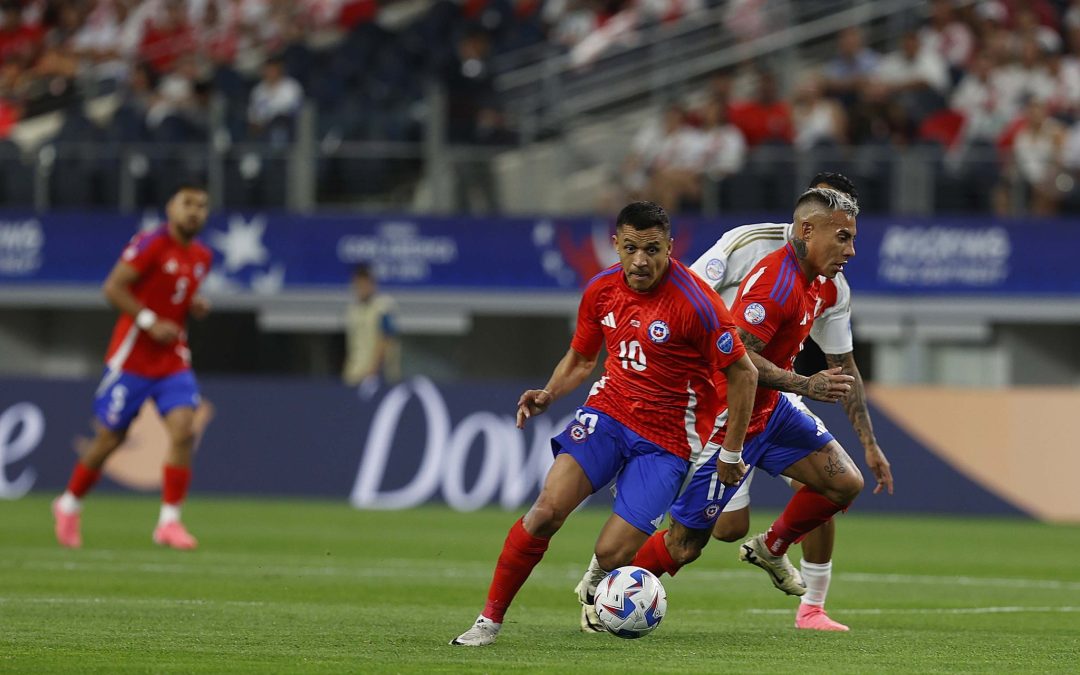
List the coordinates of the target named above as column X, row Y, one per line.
column 644, row 216
column 194, row 186
column 362, row 271
column 836, row 181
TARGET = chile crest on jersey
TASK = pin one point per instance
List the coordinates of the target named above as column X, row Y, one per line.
column 659, row 332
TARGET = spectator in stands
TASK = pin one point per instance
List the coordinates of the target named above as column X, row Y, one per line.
column 917, row 79
column 725, row 145
column 99, row 42
column 20, row 43
column 274, row 104
column 948, row 37
column 218, row 39
column 1037, row 152
column 765, row 117
column 679, row 165
column 168, row 36
column 852, row 66
column 646, row 145
column 58, row 62
column 817, row 120
column 475, row 118
column 984, row 108
column 175, row 97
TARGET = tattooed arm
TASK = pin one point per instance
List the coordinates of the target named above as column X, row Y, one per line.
column 859, row 414
column 828, row 385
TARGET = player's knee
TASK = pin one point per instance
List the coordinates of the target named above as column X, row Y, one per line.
column 847, row 488
column 684, row 552
column 730, row 531
column 183, row 437
column 732, row 526
column 614, row 557
column 544, row 519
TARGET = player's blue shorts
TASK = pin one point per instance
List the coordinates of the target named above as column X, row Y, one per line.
column 649, row 476
column 120, row 395
column 790, row 435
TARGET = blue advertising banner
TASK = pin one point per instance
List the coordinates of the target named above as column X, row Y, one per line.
column 269, row 253
column 415, row 443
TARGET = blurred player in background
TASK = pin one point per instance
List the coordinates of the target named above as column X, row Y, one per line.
column 371, row 347
column 647, row 417
column 787, row 426
column 154, row 286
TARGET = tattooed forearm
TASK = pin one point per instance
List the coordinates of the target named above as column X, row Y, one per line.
column 855, row 401
column 772, row 376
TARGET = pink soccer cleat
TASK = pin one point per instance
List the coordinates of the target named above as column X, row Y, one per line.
column 813, row 617
column 68, row 532
column 173, row 535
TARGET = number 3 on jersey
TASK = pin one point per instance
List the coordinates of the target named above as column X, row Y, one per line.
column 181, row 290
column 632, row 355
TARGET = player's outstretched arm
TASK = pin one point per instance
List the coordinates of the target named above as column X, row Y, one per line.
column 829, row 385
column 573, row 369
column 859, row 414
column 742, row 381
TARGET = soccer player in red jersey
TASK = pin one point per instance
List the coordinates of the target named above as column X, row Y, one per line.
column 774, row 312
column 668, row 338
column 154, row 286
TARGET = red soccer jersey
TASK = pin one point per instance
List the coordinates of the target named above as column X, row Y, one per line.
column 663, row 349
column 169, row 276
column 777, row 304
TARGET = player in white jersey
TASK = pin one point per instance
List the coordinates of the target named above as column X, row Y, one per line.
column 724, row 266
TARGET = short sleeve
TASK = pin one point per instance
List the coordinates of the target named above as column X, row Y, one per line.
column 832, row 330
column 756, row 310
column 142, row 252
column 587, row 334
column 712, row 265
column 723, row 343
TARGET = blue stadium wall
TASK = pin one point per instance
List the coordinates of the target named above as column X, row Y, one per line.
column 415, row 443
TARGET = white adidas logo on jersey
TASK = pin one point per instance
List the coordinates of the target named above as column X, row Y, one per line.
column 608, row 320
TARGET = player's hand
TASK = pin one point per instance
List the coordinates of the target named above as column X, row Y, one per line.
column 730, row 474
column 830, row 385
column 164, row 331
column 879, row 466
column 532, row 402
column 200, row 307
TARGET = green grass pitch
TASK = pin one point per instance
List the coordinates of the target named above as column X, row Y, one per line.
column 302, row 586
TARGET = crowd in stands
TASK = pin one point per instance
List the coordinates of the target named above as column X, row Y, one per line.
column 991, row 89
column 363, row 64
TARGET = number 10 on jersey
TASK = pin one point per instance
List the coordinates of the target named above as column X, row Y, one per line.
column 632, row 355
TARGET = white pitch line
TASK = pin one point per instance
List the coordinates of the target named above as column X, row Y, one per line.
column 129, row 601
column 939, row 610
column 245, row 566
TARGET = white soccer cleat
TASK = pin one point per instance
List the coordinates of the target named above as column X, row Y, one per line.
column 783, row 574
column 590, row 621
column 482, row 633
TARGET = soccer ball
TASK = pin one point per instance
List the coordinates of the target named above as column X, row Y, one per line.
column 630, row 602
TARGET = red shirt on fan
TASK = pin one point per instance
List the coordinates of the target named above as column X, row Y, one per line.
column 664, row 347
column 169, row 277
column 778, row 305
